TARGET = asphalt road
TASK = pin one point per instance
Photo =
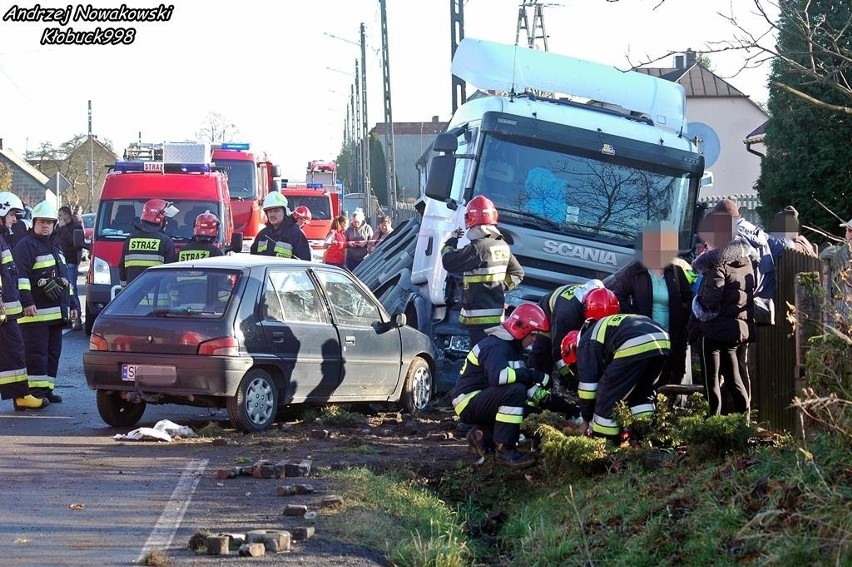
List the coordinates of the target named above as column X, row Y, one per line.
column 70, row 494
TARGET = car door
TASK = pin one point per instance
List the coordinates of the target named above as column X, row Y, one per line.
column 298, row 330
column 371, row 347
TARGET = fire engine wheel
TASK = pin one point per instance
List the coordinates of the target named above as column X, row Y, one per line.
column 419, row 387
column 118, row 412
column 254, row 405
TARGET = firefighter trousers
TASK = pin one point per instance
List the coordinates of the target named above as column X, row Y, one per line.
column 499, row 409
column 630, row 380
column 44, row 346
column 13, row 365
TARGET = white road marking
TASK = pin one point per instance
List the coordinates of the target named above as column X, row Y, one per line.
column 165, row 528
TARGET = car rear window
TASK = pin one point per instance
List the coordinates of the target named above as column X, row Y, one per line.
column 177, row 293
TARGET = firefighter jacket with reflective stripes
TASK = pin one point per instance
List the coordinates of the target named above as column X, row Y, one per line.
column 616, row 339
column 566, row 313
column 144, row 249
column 9, row 282
column 197, row 249
column 496, row 360
column 39, row 260
column 488, row 268
column 288, row 241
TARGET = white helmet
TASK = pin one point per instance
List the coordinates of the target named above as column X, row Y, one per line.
column 10, row 202
column 45, row 210
column 275, row 200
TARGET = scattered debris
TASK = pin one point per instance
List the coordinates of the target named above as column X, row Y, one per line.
column 163, row 430
column 77, row 506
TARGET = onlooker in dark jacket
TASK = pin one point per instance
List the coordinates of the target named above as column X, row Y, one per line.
column 754, row 236
column 64, row 239
column 724, row 308
column 656, row 287
column 784, row 234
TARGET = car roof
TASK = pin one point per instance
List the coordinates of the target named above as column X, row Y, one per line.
column 237, row 261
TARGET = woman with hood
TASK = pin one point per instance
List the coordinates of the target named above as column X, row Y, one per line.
column 724, row 309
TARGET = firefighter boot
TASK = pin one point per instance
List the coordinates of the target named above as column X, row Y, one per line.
column 514, row 458
column 30, row 402
column 480, row 443
column 51, row 397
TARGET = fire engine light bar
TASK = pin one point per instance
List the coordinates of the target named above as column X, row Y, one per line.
column 235, row 146
column 315, row 185
column 160, row 167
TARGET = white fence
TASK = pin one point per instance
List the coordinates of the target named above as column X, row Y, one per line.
column 746, row 203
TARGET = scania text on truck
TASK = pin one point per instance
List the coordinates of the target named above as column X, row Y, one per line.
column 575, row 173
column 182, row 176
column 250, row 178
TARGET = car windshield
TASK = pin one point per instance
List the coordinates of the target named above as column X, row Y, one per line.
column 177, row 293
column 117, row 218
column 241, row 177
column 319, row 205
column 89, row 220
column 579, row 194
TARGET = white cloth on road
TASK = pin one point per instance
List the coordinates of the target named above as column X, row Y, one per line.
column 163, row 430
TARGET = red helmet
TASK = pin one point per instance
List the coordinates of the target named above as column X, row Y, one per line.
column 526, row 318
column 600, row 303
column 568, row 348
column 480, row 210
column 206, row 224
column 154, row 211
column 302, row 213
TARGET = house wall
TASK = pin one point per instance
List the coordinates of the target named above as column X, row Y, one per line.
column 29, row 189
column 732, row 118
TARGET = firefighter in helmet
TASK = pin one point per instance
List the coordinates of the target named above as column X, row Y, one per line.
column 302, row 216
column 13, row 364
column 486, row 265
column 148, row 245
column 203, row 241
column 46, row 299
column 618, row 357
column 495, row 384
column 567, row 308
column 281, row 237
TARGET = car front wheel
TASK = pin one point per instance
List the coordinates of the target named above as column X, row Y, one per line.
column 254, row 405
column 118, row 412
column 418, row 388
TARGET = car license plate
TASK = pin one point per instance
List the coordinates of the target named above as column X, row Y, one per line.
column 132, row 372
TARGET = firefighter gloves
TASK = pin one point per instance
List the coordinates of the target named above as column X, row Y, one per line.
column 53, row 287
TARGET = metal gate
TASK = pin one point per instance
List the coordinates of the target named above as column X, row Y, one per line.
column 774, row 370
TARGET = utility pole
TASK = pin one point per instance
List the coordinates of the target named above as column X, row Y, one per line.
column 91, row 163
column 353, row 167
column 389, row 143
column 365, row 134
column 359, row 138
column 456, row 35
column 537, row 31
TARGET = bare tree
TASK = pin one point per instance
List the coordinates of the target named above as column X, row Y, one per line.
column 823, row 55
column 216, row 129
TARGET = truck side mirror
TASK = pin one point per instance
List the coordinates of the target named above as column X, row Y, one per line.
column 440, row 180
column 445, row 142
column 236, row 243
column 276, row 171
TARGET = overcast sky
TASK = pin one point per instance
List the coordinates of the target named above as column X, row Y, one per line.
column 270, row 67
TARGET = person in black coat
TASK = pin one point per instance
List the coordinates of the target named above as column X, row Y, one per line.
column 657, row 287
column 64, row 239
column 724, row 309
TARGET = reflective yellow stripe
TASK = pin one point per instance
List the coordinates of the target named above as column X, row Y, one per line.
column 44, row 314
column 6, row 255
column 605, row 429
column 473, row 355
column 658, row 345
column 13, row 376
column 140, row 263
column 44, row 261
column 137, row 244
column 587, row 390
column 41, row 381
column 507, row 376
column 483, row 278
column 509, row 414
column 460, row 402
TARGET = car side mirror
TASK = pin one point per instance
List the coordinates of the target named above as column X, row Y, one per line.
column 400, row 320
column 236, row 242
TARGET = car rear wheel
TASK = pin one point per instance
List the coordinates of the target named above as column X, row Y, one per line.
column 254, row 405
column 118, row 412
column 419, row 385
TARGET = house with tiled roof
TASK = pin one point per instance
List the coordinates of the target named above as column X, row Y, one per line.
column 723, row 118
column 411, row 140
column 27, row 181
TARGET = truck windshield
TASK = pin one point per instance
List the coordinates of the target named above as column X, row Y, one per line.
column 117, row 219
column 242, row 178
column 588, row 195
column 320, row 205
